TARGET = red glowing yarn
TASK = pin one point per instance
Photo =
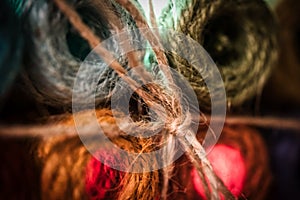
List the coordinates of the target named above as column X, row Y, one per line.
column 101, row 181
column 229, row 165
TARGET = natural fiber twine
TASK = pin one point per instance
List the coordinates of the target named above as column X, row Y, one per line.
column 57, row 49
column 64, row 161
column 239, row 35
column 254, row 150
column 62, row 177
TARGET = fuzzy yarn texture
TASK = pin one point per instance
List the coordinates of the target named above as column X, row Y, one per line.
column 57, row 50
column 63, row 160
column 56, row 44
column 101, row 180
column 247, row 146
column 80, row 176
column 229, row 165
column 239, row 35
column 254, row 152
column 54, row 164
column 77, row 175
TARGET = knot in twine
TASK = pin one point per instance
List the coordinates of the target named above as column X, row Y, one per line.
column 165, row 101
column 180, row 125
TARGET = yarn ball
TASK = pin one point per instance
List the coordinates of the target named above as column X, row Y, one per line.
column 62, row 160
column 240, row 36
column 102, row 181
column 11, row 46
column 229, row 165
column 57, row 51
column 253, row 149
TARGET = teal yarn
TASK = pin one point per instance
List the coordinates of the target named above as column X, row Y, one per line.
column 10, row 48
column 19, row 6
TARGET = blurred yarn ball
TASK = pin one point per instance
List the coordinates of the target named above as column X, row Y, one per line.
column 62, row 161
column 229, row 165
column 103, row 182
column 10, row 46
column 282, row 91
column 19, row 6
column 239, row 35
column 57, row 50
column 255, row 154
column 69, row 171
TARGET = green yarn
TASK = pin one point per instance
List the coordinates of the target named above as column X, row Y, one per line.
column 10, row 48
column 18, row 6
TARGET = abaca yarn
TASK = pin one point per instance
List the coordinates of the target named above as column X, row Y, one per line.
column 57, row 50
column 63, row 160
column 81, row 176
column 101, row 181
column 254, row 151
column 239, row 35
column 243, row 47
column 68, row 171
column 251, row 146
column 224, row 159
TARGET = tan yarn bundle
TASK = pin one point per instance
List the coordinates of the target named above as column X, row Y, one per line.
column 62, row 161
column 62, row 177
column 239, row 35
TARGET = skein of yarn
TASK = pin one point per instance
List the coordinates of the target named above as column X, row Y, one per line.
column 254, row 151
column 66, row 170
column 57, row 49
column 63, row 160
column 252, row 157
column 239, row 35
column 88, row 178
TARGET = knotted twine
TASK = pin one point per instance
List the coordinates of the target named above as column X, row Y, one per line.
column 163, row 101
column 64, row 178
